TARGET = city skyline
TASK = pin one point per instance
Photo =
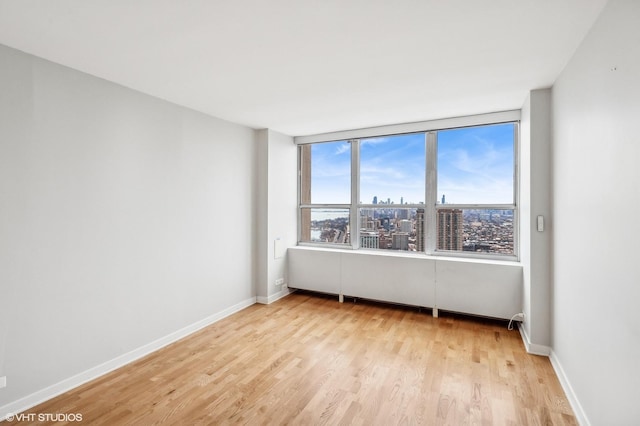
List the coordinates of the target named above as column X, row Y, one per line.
column 395, row 228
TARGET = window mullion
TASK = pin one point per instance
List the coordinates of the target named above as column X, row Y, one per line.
column 431, row 192
column 516, row 191
column 355, row 193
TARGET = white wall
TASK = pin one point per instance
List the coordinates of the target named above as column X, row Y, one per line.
column 535, row 200
column 123, row 219
column 596, row 280
column 283, row 205
column 261, row 216
column 276, row 212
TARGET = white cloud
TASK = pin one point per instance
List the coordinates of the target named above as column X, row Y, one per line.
column 373, row 141
column 384, row 173
column 342, row 148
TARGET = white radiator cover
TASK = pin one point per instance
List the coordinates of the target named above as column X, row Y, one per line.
column 479, row 287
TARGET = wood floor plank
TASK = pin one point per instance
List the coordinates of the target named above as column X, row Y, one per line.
column 308, row 359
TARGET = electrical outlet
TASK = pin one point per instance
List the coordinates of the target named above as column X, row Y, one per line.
column 280, row 281
column 519, row 317
column 3, row 382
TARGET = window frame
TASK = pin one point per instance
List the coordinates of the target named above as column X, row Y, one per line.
column 430, row 206
column 310, row 205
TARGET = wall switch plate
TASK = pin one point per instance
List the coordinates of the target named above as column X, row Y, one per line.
column 278, row 249
column 3, row 382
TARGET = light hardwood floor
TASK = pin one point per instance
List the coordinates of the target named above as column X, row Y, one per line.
column 307, row 359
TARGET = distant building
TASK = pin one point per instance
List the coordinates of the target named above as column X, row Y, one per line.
column 400, row 241
column 449, row 229
column 406, row 226
column 420, row 230
column 366, row 220
column 369, row 240
column 385, row 242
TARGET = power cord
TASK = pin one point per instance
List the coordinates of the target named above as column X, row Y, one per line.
column 516, row 318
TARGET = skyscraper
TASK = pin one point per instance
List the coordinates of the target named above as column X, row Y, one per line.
column 420, row 230
column 400, row 241
column 403, row 213
column 449, row 229
column 366, row 220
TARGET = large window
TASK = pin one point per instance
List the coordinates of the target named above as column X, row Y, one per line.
column 392, row 192
column 476, row 189
column 325, row 192
column 440, row 191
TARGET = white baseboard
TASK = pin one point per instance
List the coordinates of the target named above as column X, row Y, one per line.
column 581, row 416
column 532, row 348
column 535, row 349
column 66, row 385
column 277, row 296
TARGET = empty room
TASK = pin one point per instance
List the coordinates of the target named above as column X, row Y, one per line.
column 319, row 212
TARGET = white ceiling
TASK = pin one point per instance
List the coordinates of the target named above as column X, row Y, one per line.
column 311, row 66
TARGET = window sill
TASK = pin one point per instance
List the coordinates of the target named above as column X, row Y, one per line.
column 510, row 260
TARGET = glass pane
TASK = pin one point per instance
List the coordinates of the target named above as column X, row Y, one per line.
column 326, row 173
column 475, row 230
column 392, row 169
column 476, row 165
column 392, row 229
column 325, row 225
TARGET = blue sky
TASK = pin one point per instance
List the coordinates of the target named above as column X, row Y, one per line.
column 475, row 165
column 393, row 167
column 331, row 173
